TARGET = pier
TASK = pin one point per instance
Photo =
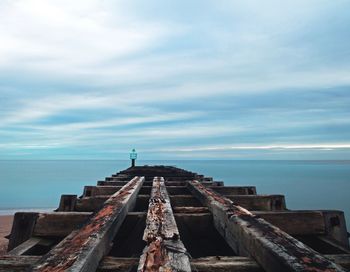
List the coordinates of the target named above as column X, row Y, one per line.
column 163, row 218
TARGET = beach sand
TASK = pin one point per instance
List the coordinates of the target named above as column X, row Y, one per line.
column 5, row 229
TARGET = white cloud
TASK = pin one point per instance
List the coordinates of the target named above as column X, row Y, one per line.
column 59, row 36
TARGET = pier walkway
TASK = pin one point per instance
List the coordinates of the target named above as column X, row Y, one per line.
column 163, row 218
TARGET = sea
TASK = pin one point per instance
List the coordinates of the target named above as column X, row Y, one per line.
column 307, row 185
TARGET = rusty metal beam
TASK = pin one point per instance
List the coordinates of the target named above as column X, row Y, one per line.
column 83, row 249
column 164, row 251
column 249, row 235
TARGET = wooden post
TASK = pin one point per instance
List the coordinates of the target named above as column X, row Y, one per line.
column 83, row 249
column 22, row 228
column 67, row 203
column 336, row 227
column 249, row 235
column 164, row 251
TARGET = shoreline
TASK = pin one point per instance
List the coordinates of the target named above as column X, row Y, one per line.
column 5, row 229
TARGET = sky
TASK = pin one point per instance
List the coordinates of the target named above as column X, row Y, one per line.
column 194, row 79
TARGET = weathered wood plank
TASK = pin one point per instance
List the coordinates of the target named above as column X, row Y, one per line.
column 213, row 183
column 190, row 210
column 341, row 259
column 175, row 183
column 90, row 191
column 83, row 249
column 164, row 250
column 204, row 264
column 250, row 202
column 10, row 263
column 90, row 204
column 334, row 244
column 184, row 200
column 248, row 235
column 28, row 246
column 111, row 183
column 177, row 190
column 117, row 178
column 234, row 190
column 259, row 202
column 225, row 264
column 296, row 222
column 107, row 264
column 59, row 224
column 231, row 190
column 93, row 191
column 114, row 264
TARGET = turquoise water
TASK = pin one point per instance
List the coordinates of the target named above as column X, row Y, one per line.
column 306, row 184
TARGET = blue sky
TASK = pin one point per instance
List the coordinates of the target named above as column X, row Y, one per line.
column 175, row 79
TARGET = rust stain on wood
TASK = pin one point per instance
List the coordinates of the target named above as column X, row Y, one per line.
column 156, row 255
column 297, row 252
column 71, row 247
column 160, row 229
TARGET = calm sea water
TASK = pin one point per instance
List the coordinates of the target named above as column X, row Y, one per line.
column 306, row 184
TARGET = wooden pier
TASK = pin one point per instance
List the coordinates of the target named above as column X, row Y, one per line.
column 162, row 218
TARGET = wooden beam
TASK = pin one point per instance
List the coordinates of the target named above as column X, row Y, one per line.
column 249, row 235
column 177, row 190
column 175, row 183
column 164, row 250
column 107, row 264
column 229, row 190
column 250, row 202
column 27, row 247
column 83, row 249
column 259, row 202
column 204, row 264
column 292, row 222
column 90, row 204
column 234, row 190
column 10, row 263
column 111, row 183
column 90, row 191
column 334, row 244
column 225, row 264
column 59, row 224
column 115, row 264
column 190, row 210
column 117, row 178
column 93, row 191
column 296, row 222
column 341, row 259
column 213, row 183
column 184, row 200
